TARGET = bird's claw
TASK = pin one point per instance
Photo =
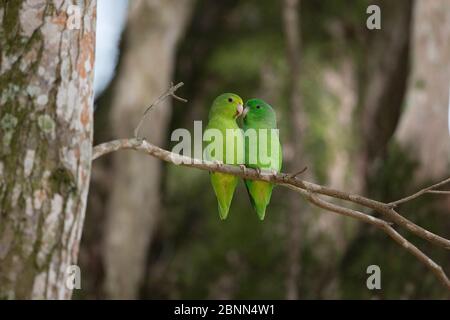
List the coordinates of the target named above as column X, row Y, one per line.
column 140, row 139
column 218, row 163
column 243, row 168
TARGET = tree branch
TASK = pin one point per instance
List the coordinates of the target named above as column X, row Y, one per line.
column 430, row 189
column 169, row 93
column 439, row 191
column 310, row 191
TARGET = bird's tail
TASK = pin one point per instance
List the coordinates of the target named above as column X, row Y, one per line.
column 224, row 186
column 260, row 210
column 259, row 193
column 223, row 210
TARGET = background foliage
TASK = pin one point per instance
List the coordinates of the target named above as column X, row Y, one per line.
column 239, row 46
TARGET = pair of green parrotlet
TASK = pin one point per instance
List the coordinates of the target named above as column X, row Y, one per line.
column 260, row 151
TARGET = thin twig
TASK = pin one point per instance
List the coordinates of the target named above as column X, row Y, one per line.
column 299, row 172
column 169, row 93
column 419, row 193
column 439, row 191
column 308, row 189
column 385, row 227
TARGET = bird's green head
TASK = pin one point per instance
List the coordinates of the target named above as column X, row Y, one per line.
column 259, row 113
column 228, row 105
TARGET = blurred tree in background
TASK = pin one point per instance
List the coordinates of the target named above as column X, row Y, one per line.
column 373, row 103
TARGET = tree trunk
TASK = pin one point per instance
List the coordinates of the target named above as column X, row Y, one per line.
column 423, row 128
column 291, row 23
column 145, row 72
column 386, row 70
column 46, row 81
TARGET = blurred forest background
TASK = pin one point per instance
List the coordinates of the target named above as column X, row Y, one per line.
column 365, row 110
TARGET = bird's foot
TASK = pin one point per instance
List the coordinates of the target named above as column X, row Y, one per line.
column 243, row 168
column 140, row 139
column 218, row 163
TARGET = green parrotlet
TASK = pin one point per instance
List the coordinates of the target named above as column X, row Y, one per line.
column 264, row 153
column 225, row 109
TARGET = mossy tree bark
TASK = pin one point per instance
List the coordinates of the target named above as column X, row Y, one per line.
column 46, row 77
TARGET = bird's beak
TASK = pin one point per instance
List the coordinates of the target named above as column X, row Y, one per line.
column 244, row 113
column 239, row 110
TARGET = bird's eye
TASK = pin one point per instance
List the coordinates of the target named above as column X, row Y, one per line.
column 230, row 100
column 258, row 107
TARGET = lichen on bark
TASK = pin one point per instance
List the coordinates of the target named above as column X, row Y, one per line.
column 45, row 151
